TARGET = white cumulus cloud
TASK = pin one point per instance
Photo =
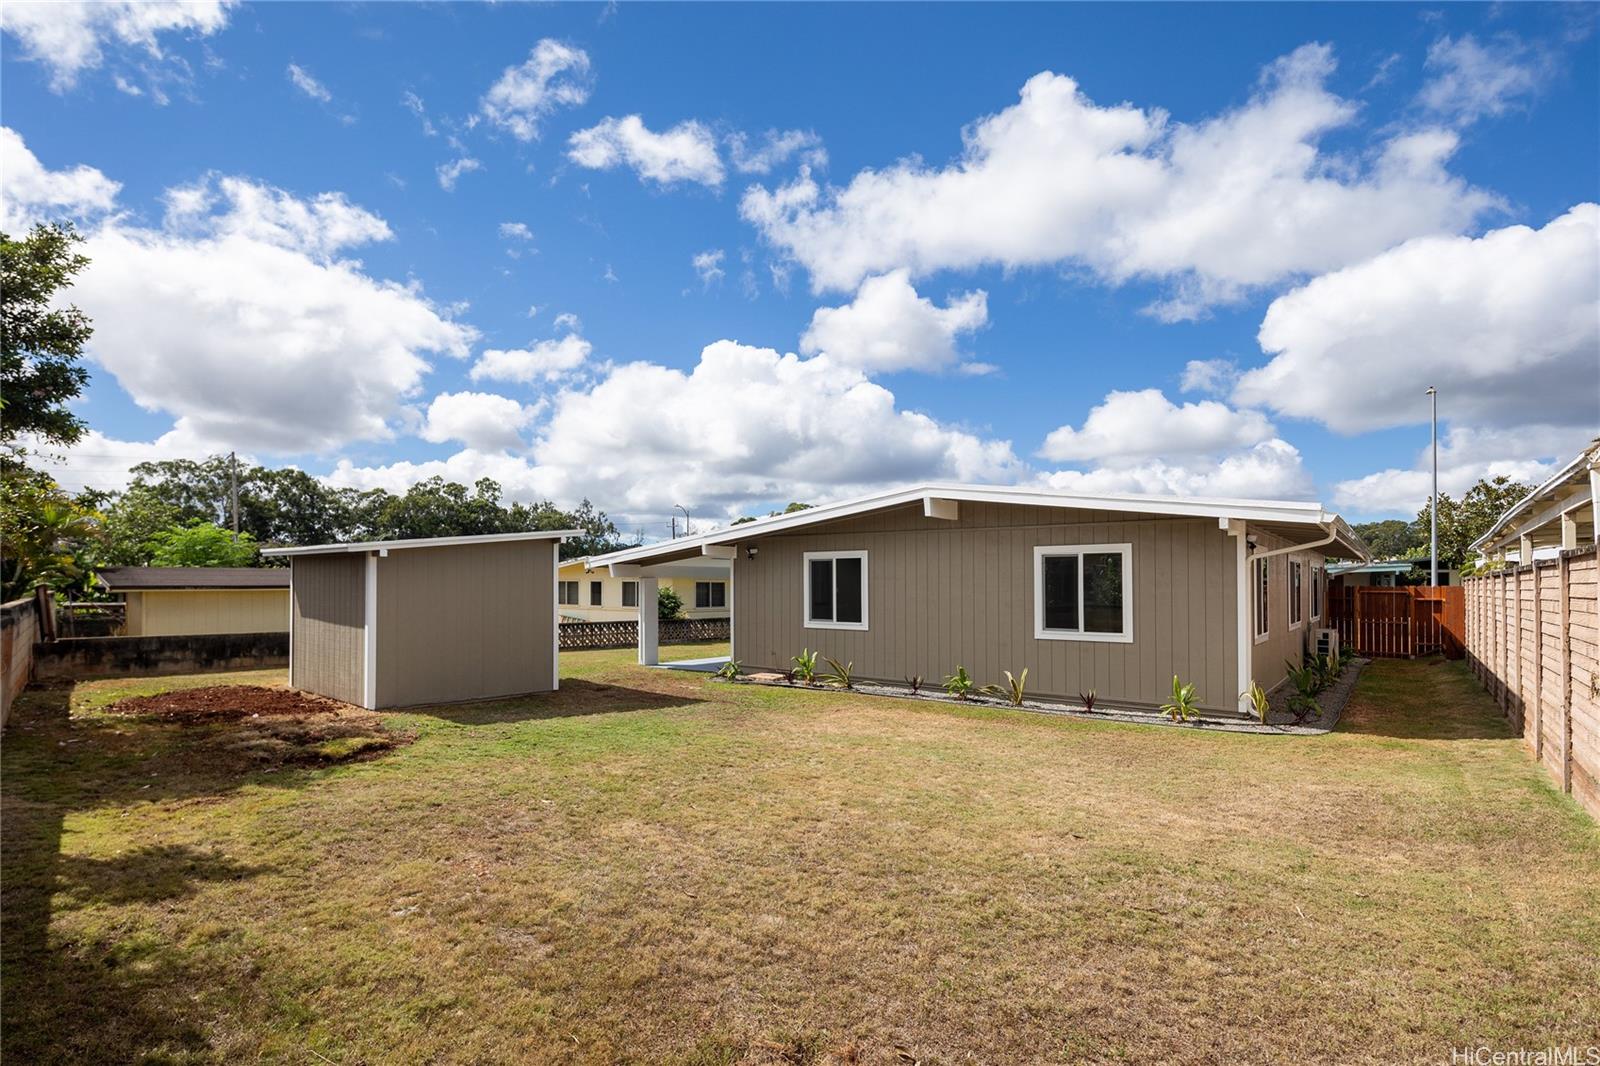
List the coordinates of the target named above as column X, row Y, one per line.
column 1270, row 470
column 888, row 327
column 1128, row 194
column 685, row 152
column 708, row 264
column 1507, row 325
column 31, row 193
column 544, row 360
column 774, row 149
column 1469, row 79
column 450, row 173
column 70, row 37
column 303, row 80
column 1145, row 424
column 555, row 74
column 482, row 421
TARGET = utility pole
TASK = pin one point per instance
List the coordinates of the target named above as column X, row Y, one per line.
column 233, row 492
column 1433, row 502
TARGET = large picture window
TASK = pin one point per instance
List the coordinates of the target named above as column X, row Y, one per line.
column 1296, row 595
column 710, row 594
column 836, row 590
column 1260, row 580
column 1083, row 592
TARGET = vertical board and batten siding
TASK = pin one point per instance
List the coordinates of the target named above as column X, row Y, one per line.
column 1533, row 640
column 942, row 593
column 328, row 625
column 189, row 612
column 1282, row 645
column 466, row 622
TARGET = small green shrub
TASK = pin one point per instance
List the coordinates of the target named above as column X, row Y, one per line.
column 1303, row 700
column 839, row 674
column 805, row 666
column 959, row 684
column 1184, row 704
column 1258, row 701
column 1012, row 690
column 669, row 605
column 731, row 670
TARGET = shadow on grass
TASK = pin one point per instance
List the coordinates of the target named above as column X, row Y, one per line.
column 124, row 997
column 1423, row 699
column 575, row 698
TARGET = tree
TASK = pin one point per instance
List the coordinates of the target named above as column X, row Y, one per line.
column 794, row 506
column 132, row 521
column 1463, row 521
column 40, row 345
column 1392, row 538
column 44, row 534
column 201, row 544
column 669, row 605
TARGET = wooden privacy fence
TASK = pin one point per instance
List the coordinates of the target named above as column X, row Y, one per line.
column 1399, row 623
column 1533, row 639
column 576, row 636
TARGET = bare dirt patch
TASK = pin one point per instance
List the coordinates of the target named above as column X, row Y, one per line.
column 269, row 727
column 223, row 702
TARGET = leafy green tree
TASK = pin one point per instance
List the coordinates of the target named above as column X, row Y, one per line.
column 1465, row 520
column 791, row 509
column 44, row 535
column 1393, row 538
column 669, row 605
column 132, row 522
column 41, row 345
column 201, row 544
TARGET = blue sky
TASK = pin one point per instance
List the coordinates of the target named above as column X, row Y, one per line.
column 1206, row 249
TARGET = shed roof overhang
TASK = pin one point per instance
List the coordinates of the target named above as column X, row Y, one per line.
column 1557, row 512
column 1297, row 522
column 384, row 546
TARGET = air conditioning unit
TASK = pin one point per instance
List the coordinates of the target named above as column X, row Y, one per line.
column 1327, row 641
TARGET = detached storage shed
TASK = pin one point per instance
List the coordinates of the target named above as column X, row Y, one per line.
column 406, row 622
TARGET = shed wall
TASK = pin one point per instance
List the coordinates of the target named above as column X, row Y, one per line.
column 194, row 612
column 328, row 620
column 942, row 593
column 466, row 622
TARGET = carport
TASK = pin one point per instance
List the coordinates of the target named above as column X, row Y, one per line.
column 706, row 563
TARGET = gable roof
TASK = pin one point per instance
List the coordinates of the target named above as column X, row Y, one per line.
column 1272, row 513
column 422, row 542
column 131, row 578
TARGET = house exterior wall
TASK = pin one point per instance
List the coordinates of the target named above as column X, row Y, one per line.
column 328, row 616
column 1283, row 643
column 465, row 622
column 942, row 593
column 198, row 612
column 611, row 609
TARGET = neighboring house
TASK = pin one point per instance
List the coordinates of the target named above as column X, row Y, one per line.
column 1557, row 516
column 404, row 622
column 1388, row 573
column 165, row 601
column 587, row 595
column 1114, row 594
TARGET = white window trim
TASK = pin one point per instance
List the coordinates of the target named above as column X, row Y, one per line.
column 1261, row 635
column 1296, row 608
column 1317, row 595
column 710, row 595
column 805, row 563
column 1042, row 551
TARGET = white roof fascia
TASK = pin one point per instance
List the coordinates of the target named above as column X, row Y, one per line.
column 423, row 542
column 1290, row 511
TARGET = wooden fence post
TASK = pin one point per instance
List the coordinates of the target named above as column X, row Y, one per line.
column 1565, row 576
column 1538, row 670
column 1500, row 650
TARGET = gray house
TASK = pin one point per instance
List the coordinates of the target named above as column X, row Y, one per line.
column 404, row 622
column 1110, row 593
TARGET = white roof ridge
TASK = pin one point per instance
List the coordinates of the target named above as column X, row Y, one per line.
column 423, row 542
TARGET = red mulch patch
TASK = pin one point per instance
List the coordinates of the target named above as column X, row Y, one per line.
column 217, row 703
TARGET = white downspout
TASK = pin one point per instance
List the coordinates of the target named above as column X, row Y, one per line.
column 1236, row 528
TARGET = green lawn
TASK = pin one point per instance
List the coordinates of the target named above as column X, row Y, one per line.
column 653, row 867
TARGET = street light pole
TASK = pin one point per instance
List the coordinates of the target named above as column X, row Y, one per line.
column 1433, row 502
column 685, row 511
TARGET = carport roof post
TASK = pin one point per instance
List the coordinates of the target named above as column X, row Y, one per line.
column 422, row 542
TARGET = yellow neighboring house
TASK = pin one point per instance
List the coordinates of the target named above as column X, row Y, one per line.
column 595, row 596
column 167, row 601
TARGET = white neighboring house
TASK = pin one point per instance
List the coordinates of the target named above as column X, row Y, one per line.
column 595, row 595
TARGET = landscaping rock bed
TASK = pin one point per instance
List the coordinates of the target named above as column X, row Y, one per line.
column 1279, row 719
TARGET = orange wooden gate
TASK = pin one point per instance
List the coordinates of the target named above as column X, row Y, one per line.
column 1399, row 623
